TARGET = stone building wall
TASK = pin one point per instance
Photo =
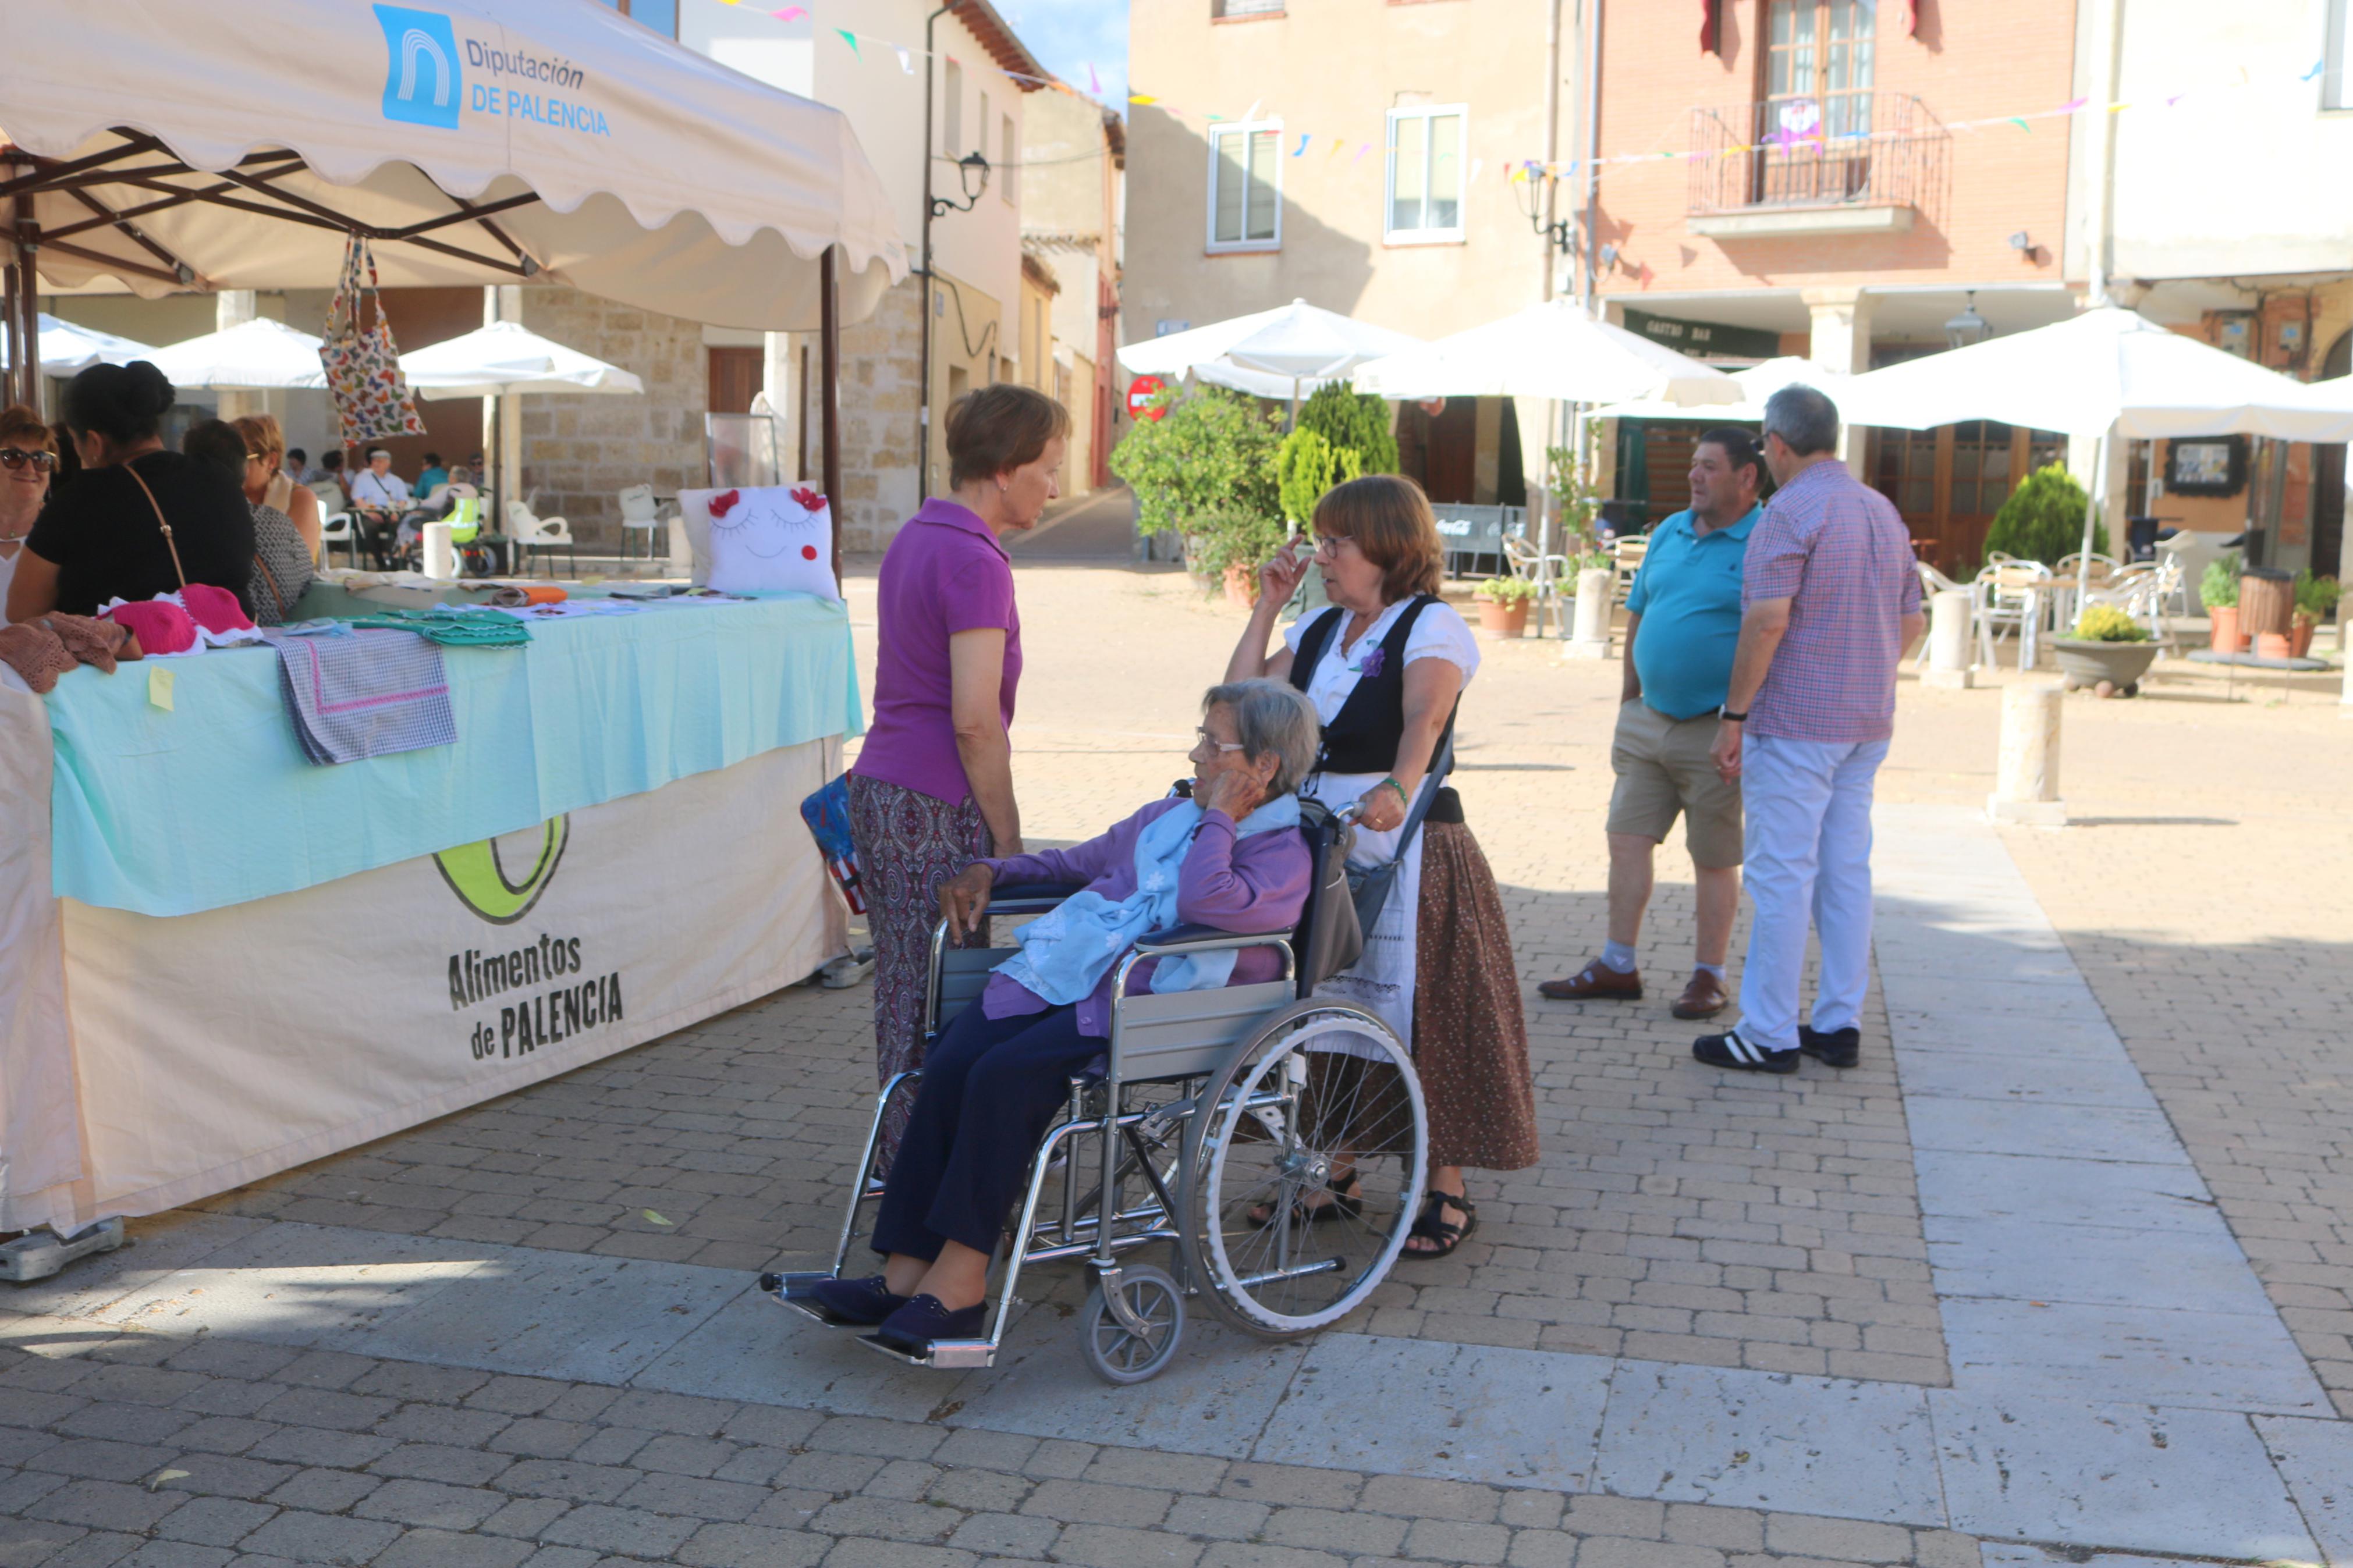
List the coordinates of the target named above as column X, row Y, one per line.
column 578, row 450
column 880, row 369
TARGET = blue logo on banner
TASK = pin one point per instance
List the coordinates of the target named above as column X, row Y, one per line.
column 422, row 85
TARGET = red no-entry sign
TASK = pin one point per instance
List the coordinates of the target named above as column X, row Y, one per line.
column 1140, row 393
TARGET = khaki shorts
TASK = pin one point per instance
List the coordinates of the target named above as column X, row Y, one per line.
column 1664, row 768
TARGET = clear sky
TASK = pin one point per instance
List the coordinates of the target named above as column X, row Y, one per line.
column 1070, row 36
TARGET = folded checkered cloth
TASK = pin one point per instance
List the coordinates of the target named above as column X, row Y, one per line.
column 366, row 695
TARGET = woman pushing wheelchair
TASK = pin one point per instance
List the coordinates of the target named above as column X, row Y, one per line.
column 1231, row 857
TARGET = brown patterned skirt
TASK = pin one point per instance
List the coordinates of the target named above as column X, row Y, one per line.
column 908, row 844
column 1470, row 1037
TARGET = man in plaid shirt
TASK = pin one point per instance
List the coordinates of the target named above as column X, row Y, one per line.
column 1829, row 600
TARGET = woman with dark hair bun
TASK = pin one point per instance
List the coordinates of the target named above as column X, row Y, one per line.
column 281, row 561
column 933, row 789
column 140, row 520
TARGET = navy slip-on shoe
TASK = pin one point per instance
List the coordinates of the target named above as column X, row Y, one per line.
column 1833, row 1047
column 1729, row 1050
column 910, row 1329
column 862, row 1301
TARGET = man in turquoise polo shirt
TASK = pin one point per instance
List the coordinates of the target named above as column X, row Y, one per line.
column 1683, row 624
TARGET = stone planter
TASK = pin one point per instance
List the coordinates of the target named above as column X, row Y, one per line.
column 1498, row 619
column 2087, row 663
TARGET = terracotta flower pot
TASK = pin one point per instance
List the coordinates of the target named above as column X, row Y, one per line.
column 1241, row 586
column 2299, row 636
column 2273, row 645
column 2225, row 635
column 1498, row 619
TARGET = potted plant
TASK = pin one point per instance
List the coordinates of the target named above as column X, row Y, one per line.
column 2315, row 601
column 2217, row 589
column 1224, row 548
column 2108, row 651
column 1503, row 605
column 1209, row 456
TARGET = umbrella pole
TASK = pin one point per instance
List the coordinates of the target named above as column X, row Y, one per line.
column 2092, row 505
column 23, row 321
column 1293, row 423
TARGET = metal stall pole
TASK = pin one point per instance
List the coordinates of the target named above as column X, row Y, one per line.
column 26, row 321
column 830, row 355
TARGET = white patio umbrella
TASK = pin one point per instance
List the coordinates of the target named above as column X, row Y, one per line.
column 2110, row 372
column 1553, row 351
column 1282, row 353
column 509, row 357
column 1757, row 383
column 258, row 355
column 68, row 348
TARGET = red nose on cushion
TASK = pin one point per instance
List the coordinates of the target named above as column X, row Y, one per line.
column 808, row 552
column 721, row 505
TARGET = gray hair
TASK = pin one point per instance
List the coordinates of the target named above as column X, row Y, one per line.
column 1803, row 417
column 1272, row 716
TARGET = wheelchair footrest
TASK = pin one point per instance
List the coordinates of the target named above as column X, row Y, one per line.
column 794, row 1291
column 948, row 1355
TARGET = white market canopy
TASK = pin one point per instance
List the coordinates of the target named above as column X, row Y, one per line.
column 2108, row 370
column 1550, row 350
column 1281, row 353
column 507, row 357
column 68, row 348
column 258, row 355
column 474, row 142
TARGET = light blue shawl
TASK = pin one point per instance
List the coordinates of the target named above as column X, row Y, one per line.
column 1066, row 953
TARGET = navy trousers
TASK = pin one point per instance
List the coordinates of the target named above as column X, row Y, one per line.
column 990, row 1091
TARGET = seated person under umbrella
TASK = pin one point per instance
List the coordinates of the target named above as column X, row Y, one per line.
column 1233, row 856
column 381, row 498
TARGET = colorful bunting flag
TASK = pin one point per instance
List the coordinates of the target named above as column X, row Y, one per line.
column 1300, row 150
column 851, row 39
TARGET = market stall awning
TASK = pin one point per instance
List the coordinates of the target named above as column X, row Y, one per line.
column 1553, row 351
column 68, row 348
column 505, row 357
column 473, row 143
column 2109, row 370
column 259, row 356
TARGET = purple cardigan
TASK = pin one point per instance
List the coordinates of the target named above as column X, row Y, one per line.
column 1246, row 886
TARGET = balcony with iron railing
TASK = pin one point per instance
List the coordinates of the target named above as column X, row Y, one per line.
column 1851, row 164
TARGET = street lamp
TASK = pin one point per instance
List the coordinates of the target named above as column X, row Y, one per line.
column 1969, row 326
column 972, row 171
column 1531, row 206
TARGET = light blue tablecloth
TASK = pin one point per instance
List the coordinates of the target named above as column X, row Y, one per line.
column 212, row 803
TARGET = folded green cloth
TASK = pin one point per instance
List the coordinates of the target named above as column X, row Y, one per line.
column 452, row 627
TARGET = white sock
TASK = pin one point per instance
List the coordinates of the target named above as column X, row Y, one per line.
column 1618, row 955
column 1715, row 969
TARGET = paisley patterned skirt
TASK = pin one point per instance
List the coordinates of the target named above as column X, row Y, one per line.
column 908, row 844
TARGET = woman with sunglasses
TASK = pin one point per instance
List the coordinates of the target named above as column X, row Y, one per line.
column 266, row 483
column 28, row 460
column 105, row 536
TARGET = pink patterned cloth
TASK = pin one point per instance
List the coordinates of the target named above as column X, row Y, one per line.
column 1837, row 551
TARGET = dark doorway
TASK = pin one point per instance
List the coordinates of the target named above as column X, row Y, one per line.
column 2328, row 480
column 453, row 426
column 1450, row 452
column 737, row 376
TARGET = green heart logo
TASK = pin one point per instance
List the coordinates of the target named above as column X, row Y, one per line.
column 480, row 883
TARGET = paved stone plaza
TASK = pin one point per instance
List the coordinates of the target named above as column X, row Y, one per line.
column 2063, row 1272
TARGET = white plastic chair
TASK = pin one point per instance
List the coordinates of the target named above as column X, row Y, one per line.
column 2011, row 592
column 639, row 512
column 337, row 526
column 1626, row 554
column 530, row 531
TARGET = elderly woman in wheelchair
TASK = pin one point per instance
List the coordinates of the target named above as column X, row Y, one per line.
column 1231, row 857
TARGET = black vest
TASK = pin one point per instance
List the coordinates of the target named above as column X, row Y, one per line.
column 1363, row 737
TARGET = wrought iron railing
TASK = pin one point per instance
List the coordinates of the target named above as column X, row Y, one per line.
column 1862, row 148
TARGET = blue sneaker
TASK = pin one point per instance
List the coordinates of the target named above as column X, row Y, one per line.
column 864, row 1302
column 910, row 1329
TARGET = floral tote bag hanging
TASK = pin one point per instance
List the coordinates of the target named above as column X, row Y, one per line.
column 371, row 397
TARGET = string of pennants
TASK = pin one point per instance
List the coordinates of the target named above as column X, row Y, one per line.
column 907, row 54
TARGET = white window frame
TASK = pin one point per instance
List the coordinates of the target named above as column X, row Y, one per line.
column 1245, row 129
column 1425, row 112
column 2336, row 58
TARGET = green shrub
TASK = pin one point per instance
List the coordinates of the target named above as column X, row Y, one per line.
column 2105, row 623
column 1352, row 421
column 2218, row 585
column 1230, row 536
column 1212, row 453
column 1306, row 464
column 1505, row 590
column 2315, row 596
column 2043, row 518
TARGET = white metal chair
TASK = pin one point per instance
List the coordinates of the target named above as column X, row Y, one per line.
column 1549, row 571
column 639, row 513
column 1626, row 555
column 529, row 531
column 2012, row 592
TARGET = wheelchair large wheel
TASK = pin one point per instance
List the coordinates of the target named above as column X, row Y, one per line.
column 1282, row 1239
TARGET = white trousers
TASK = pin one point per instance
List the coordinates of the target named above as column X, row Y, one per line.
column 1806, row 854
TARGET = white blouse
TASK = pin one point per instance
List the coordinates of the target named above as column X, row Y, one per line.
column 1439, row 633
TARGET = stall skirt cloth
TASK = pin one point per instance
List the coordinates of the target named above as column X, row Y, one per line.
column 369, row 694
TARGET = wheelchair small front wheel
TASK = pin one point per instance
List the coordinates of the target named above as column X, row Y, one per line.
column 1117, row 1352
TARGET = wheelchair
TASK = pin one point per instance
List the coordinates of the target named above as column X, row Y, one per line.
column 1277, row 1142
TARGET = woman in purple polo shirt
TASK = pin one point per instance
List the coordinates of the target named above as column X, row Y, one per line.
column 933, row 789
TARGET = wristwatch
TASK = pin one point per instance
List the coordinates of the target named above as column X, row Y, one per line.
column 1728, row 715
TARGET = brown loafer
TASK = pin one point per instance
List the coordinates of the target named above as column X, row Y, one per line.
column 1597, row 982
column 1703, row 998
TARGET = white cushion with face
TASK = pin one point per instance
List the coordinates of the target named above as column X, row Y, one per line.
column 755, row 539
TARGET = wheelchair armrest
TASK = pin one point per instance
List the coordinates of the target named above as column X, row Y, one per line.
column 1185, row 938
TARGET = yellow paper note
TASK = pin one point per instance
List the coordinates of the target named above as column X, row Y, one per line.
column 159, row 686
